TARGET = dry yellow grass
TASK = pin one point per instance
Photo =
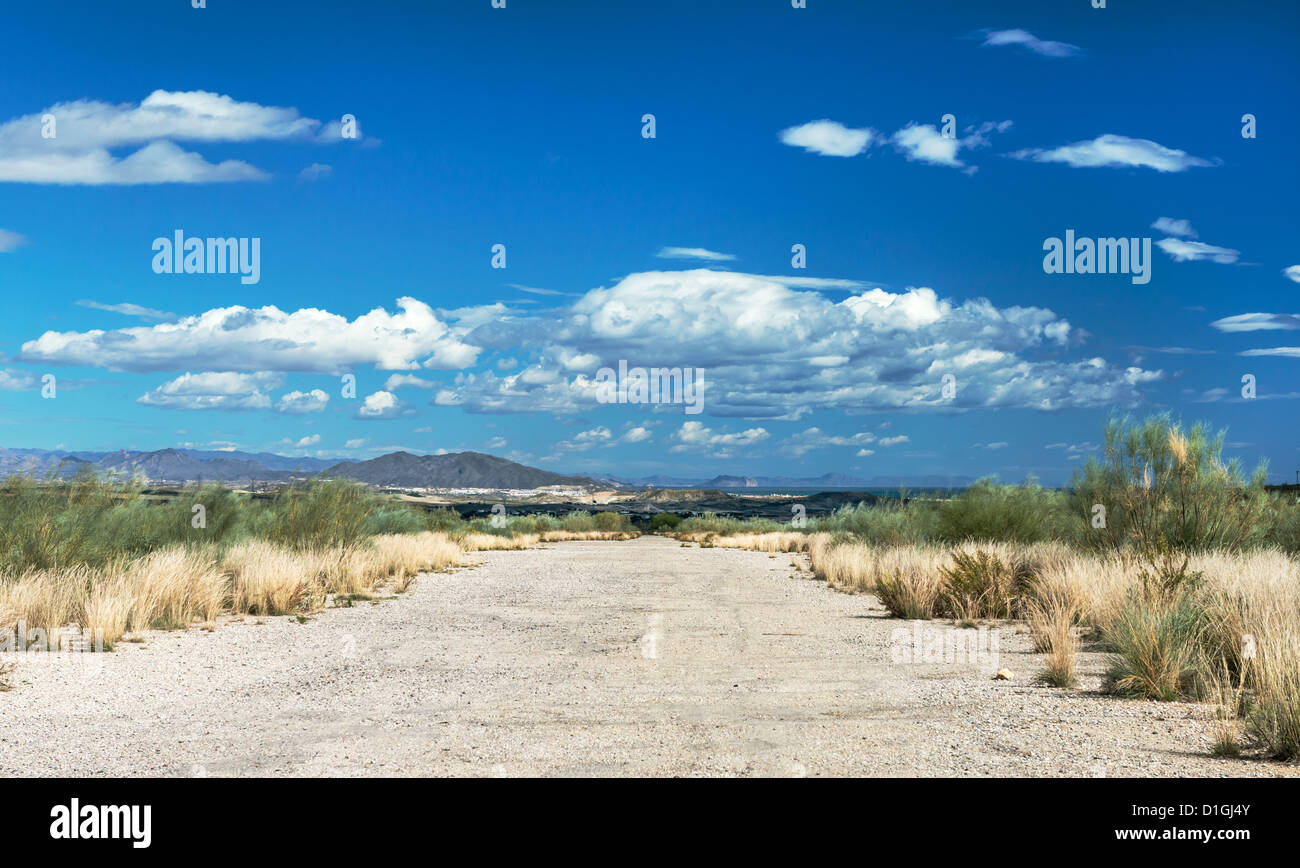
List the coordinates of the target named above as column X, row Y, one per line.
column 773, row 542
column 571, row 535
column 267, row 579
column 484, row 542
column 46, row 599
column 171, row 587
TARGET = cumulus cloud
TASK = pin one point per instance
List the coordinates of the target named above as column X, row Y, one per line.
column 1292, row 272
column 814, row 438
column 693, row 253
column 397, row 381
column 219, row 390
column 10, row 241
column 14, row 380
column 144, row 135
column 602, row 437
column 695, row 437
column 1016, row 36
column 356, row 443
column 1170, row 226
column 496, row 443
column 1254, row 322
column 771, row 351
column 923, row 142
column 598, row 436
column 267, row 338
column 828, row 138
column 314, row 401
column 1197, row 251
column 382, row 405
column 1116, row 152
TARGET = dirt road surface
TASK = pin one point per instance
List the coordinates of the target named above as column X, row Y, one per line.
column 600, row 658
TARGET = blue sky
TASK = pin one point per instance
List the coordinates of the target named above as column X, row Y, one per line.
column 523, row 127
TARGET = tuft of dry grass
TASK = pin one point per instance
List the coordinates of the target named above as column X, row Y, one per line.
column 46, row 599
column 267, row 579
column 170, row 588
column 484, row 542
column 1052, row 614
column 572, row 535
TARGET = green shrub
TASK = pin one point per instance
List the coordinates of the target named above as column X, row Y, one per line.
column 1009, row 513
column 977, row 585
column 663, row 521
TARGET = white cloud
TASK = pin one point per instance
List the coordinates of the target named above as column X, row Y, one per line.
column 129, row 309
column 10, row 241
column 814, row 438
column 302, row 402
column 863, row 453
column 1115, row 151
column 1196, row 251
column 381, row 405
column 637, row 435
column 221, row 390
column 828, row 138
column 1292, row 272
column 496, row 443
column 1285, row 352
column 1255, row 322
column 598, row 436
column 1170, row 226
column 88, row 131
column 310, row 440
column 315, row 172
column 356, row 443
column 894, row 441
column 1045, row 47
column 693, row 253
column 766, row 349
column 13, row 380
column 267, row 338
column 923, row 142
column 695, row 437
column 397, row 381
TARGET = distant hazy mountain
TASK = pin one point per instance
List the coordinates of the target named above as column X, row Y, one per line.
column 404, row 470
column 827, row 480
column 452, row 470
column 269, row 460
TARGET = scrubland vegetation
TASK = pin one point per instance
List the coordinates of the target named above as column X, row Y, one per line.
column 101, row 556
column 1182, row 569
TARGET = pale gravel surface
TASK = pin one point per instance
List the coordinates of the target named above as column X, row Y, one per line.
column 602, row 658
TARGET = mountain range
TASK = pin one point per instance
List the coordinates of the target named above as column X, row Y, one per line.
column 825, row 481
column 403, row 470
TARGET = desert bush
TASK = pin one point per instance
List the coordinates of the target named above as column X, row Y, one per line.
column 977, row 585
column 1156, row 646
column 886, row 523
column 1168, row 492
column 1009, row 513
column 662, row 521
column 326, row 512
column 444, row 520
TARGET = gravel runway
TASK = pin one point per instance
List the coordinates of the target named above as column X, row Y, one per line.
column 588, row 658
